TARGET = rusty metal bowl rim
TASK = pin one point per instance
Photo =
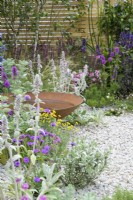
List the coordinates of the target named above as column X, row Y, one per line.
column 64, row 93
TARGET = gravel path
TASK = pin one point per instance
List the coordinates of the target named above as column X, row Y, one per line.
column 117, row 133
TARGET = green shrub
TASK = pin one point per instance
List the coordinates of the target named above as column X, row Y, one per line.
column 121, row 194
column 83, row 164
column 99, row 96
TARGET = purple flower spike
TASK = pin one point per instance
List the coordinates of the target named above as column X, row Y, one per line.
column 3, row 75
column 46, row 149
column 24, row 198
column 27, row 97
column 14, row 71
column 43, row 197
column 37, row 179
column 25, row 186
column 26, row 160
column 7, row 84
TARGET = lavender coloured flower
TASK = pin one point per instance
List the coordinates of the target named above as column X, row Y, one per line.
column 110, row 59
column 14, row 140
column 10, row 112
column 51, row 135
column 37, row 179
column 26, row 160
column 98, row 52
column 3, row 75
column 116, row 49
column 57, row 140
column 30, row 143
column 83, row 49
column 103, row 62
column 16, row 163
column 36, row 151
column 46, row 149
column 24, row 198
column 38, row 137
column 32, row 137
column 14, row 71
column 73, row 144
column 27, row 97
column 18, row 180
column 47, row 110
column 53, row 124
column 43, row 132
column 6, row 84
column 25, row 186
column 112, row 54
column 43, row 197
column 41, row 141
column 22, row 136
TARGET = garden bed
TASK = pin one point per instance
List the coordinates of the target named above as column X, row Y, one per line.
column 114, row 133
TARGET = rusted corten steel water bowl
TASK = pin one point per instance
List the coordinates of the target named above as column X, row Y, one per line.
column 63, row 103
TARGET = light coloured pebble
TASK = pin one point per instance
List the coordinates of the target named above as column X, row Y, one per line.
column 117, row 133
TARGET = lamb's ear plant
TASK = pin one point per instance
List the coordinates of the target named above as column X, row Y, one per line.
column 64, row 80
column 83, row 164
column 21, row 185
column 48, row 181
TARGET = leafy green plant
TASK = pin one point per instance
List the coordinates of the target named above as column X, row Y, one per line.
column 121, row 194
column 69, row 193
column 114, row 111
column 82, row 117
column 17, row 75
column 116, row 18
column 83, row 164
column 99, row 96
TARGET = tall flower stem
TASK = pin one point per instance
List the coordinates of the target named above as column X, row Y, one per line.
column 13, row 169
column 36, row 120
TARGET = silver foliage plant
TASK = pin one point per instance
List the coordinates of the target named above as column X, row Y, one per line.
column 18, row 175
column 66, row 80
column 83, row 164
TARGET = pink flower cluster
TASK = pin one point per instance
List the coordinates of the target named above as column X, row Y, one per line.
column 94, row 75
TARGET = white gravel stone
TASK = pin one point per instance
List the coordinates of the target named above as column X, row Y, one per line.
column 117, row 133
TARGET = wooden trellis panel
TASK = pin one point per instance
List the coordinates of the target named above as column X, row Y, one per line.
column 59, row 15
